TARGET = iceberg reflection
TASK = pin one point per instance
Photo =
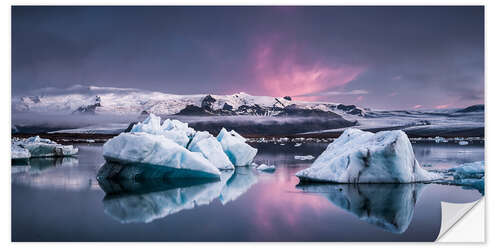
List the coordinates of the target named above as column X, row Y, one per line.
column 388, row 206
column 145, row 200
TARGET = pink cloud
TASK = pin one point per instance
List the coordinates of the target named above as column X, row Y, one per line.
column 283, row 73
column 417, row 106
column 360, row 98
column 442, row 106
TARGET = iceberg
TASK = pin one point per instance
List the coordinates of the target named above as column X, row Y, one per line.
column 266, row 168
column 211, row 149
column 364, row 157
column 39, row 147
column 388, row 206
column 469, row 175
column 236, row 148
column 152, row 156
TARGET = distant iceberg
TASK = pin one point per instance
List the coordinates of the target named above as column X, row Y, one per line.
column 364, row 157
column 39, row 147
column 387, row 206
column 174, row 150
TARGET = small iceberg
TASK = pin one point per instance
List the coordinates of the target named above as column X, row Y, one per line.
column 463, row 143
column 236, row 148
column 297, row 144
column 303, row 157
column 173, row 150
column 364, row 157
column 469, row 175
column 266, row 168
column 38, row 147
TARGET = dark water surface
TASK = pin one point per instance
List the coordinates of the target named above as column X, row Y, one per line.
column 60, row 200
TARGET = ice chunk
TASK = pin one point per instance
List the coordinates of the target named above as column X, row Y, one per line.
column 267, row 168
column 388, row 206
column 303, row 157
column 19, row 153
column 40, row 147
column 463, row 143
column 174, row 130
column 233, row 144
column 297, row 144
column 210, row 148
column 157, row 157
column 364, row 157
column 469, row 170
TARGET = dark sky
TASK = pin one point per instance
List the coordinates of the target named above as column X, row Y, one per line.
column 379, row 57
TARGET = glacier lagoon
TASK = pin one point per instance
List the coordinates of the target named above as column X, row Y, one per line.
column 61, row 200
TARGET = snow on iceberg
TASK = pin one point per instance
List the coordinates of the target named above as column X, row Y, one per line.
column 388, row 206
column 266, row 168
column 236, row 148
column 210, row 148
column 153, row 156
column 174, row 130
column 364, row 157
column 39, row 147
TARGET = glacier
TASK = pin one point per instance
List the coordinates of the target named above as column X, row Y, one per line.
column 233, row 144
column 39, row 147
column 364, row 157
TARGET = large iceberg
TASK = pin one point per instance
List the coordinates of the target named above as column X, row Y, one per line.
column 364, row 157
column 388, row 206
column 175, row 150
column 39, row 147
column 236, row 148
column 210, row 148
column 156, row 157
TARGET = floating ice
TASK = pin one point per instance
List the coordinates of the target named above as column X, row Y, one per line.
column 266, row 168
column 469, row 170
column 233, row 144
column 211, row 149
column 297, row 144
column 157, row 157
column 463, row 143
column 364, row 157
column 388, row 206
column 303, row 157
column 39, row 147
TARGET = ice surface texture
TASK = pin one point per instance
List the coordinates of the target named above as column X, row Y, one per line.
column 39, row 147
column 364, row 157
column 175, row 150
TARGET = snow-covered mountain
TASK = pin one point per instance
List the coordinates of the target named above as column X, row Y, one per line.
column 107, row 100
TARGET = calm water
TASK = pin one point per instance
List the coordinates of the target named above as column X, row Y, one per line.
column 60, row 200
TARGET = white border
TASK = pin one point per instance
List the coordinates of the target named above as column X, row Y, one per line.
column 492, row 118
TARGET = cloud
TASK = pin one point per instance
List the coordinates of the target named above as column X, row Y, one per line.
column 337, row 93
column 279, row 71
column 417, row 106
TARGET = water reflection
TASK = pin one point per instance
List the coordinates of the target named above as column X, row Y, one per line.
column 388, row 206
column 143, row 201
